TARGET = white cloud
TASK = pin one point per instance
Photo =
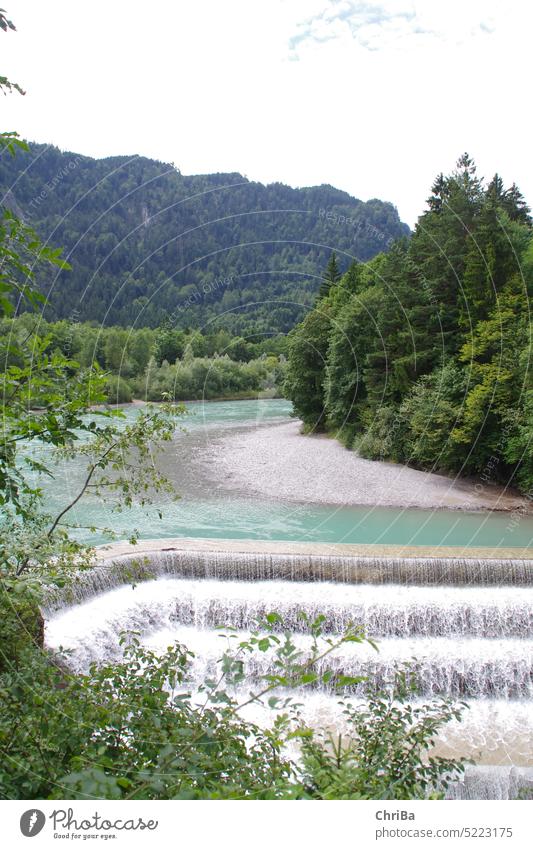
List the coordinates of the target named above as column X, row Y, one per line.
column 394, row 23
column 366, row 23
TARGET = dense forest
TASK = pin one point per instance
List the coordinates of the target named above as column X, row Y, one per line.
column 422, row 355
column 155, row 364
column 146, row 242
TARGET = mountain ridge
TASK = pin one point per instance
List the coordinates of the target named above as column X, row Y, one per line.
column 143, row 238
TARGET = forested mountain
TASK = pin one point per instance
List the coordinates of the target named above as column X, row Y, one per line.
column 146, row 242
column 423, row 355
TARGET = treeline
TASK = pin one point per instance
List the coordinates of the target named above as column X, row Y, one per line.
column 157, row 364
column 145, row 241
column 422, row 355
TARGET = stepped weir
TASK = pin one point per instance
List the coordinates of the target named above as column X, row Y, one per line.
column 464, row 615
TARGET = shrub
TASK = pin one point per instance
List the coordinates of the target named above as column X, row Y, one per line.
column 21, row 624
column 118, row 390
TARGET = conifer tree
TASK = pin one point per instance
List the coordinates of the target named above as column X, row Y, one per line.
column 331, row 276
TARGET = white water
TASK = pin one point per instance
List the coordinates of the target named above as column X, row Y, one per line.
column 441, row 572
column 471, row 642
column 384, row 611
column 470, row 667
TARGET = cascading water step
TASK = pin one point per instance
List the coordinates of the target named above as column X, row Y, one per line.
column 264, row 565
column 466, row 667
column 499, row 783
column 466, row 624
column 390, row 611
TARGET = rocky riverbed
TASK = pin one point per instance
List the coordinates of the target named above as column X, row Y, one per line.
column 277, row 461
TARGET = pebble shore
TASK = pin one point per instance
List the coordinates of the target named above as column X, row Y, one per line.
column 277, row 461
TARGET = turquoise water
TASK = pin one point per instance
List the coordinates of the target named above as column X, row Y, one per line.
column 203, row 511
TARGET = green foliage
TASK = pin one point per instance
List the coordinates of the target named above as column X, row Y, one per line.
column 170, row 345
column 518, row 423
column 128, row 731
column 381, row 435
column 352, row 336
column 306, row 370
column 21, row 623
column 430, row 412
column 118, row 391
column 331, row 276
column 211, row 378
column 127, row 363
column 426, row 358
column 20, row 249
column 386, row 750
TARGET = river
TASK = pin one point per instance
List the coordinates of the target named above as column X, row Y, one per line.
column 208, row 509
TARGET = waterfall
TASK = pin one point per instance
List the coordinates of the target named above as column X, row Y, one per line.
column 465, row 622
column 493, row 783
column 245, row 566
column 453, row 667
column 394, row 611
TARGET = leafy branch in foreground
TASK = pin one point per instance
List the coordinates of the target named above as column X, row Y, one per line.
column 21, row 251
column 49, row 399
column 6, row 85
column 121, row 469
column 137, row 729
column 386, row 750
column 292, row 665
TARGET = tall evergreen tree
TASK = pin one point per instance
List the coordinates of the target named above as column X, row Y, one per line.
column 439, row 246
column 438, row 195
column 353, row 335
column 405, row 339
column 515, row 205
column 331, row 276
column 494, row 247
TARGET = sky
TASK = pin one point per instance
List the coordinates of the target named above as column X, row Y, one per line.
column 373, row 98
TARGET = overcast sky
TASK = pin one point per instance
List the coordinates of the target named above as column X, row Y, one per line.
column 374, row 98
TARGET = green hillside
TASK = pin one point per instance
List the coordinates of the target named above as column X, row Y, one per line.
column 147, row 243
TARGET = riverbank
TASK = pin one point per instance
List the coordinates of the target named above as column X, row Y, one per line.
column 278, row 462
